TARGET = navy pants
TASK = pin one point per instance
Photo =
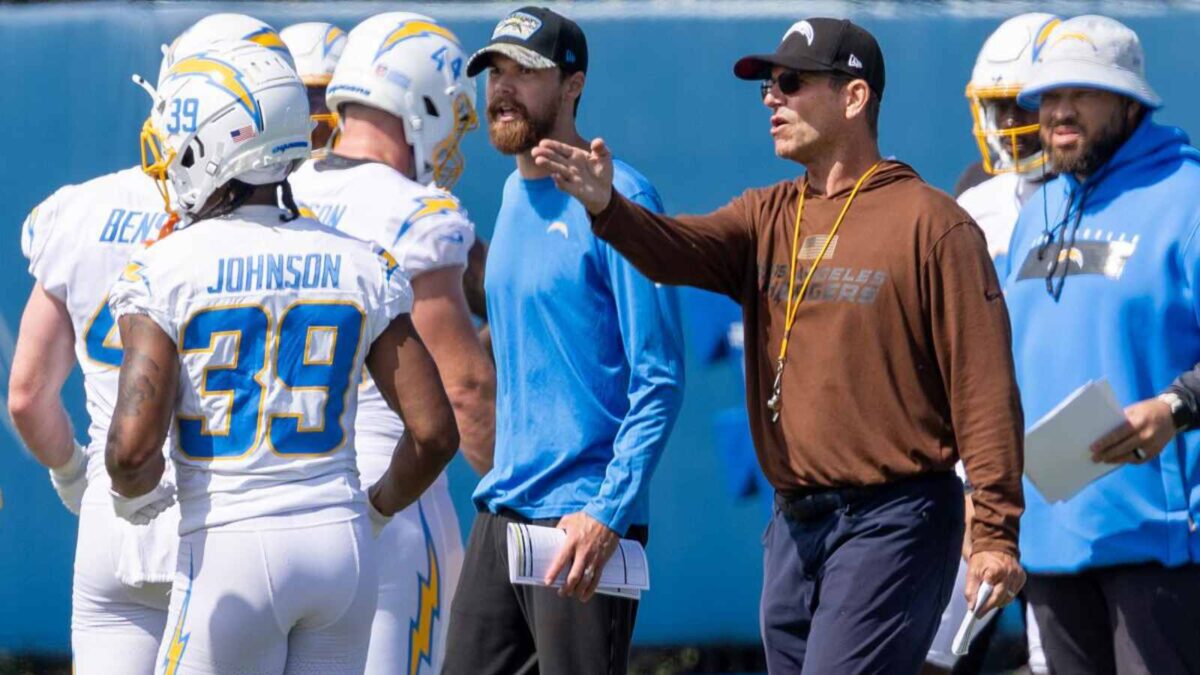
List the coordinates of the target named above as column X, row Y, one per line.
column 861, row 587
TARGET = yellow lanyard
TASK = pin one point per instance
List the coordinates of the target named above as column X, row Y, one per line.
column 793, row 302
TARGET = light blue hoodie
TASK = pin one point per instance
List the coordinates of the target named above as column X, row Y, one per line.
column 1127, row 310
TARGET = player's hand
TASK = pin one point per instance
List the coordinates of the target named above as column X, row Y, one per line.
column 999, row 569
column 378, row 520
column 142, row 509
column 588, row 547
column 585, row 175
column 1147, row 429
column 70, row 480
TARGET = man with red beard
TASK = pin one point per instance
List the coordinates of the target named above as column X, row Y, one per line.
column 589, row 365
column 1101, row 282
column 899, row 361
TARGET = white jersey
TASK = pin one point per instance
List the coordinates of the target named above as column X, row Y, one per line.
column 995, row 205
column 77, row 242
column 423, row 227
column 273, row 321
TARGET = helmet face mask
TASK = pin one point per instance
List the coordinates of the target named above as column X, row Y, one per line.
column 413, row 68
column 447, row 159
column 1001, row 69
column 1003, row 147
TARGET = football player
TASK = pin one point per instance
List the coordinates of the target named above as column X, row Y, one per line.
column 1006, row 133
column 77, row 241
column 246, row 332
column 404, row 103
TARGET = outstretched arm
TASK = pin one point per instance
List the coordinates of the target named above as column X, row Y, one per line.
column 715, row 252
column 408, row 380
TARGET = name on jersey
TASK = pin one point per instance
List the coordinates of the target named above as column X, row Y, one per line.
column 126, row 226
column 329, row 215
column 275, row 271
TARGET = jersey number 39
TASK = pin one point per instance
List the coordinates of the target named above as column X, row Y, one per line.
column 287, row 347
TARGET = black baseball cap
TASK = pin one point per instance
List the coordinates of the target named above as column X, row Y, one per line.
column 824, row 46
column 535, row 37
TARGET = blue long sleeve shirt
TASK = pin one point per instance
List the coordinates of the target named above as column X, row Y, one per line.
column 1122, row 252
column 589, row 361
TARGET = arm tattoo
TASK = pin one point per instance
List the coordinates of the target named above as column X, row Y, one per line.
column 136, row 384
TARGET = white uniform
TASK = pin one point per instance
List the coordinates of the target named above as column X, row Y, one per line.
column 77, row 242
column 995, row 204
column 273, row 321
column 421, row 549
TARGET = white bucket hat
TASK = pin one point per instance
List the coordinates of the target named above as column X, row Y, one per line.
column 1092, row 52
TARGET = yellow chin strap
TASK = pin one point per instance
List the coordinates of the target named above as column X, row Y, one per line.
column 448, row 160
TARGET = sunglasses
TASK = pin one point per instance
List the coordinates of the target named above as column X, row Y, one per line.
column 789, row 82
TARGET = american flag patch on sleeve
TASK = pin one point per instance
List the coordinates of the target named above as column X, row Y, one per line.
column 243, row 134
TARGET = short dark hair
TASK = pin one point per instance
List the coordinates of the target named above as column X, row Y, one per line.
column 839, row 80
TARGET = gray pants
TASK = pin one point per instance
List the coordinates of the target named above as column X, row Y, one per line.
column 1120, row 620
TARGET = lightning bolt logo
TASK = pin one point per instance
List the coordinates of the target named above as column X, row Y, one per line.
column 331, row 36
column 429, row 595
column 267, row 37
column 412, row 29
column 223, row 76
column 428, row 206
column 179, row 639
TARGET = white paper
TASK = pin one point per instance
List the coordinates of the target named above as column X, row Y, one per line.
column 966, row 630
column 1058, row 456
column 531, row 549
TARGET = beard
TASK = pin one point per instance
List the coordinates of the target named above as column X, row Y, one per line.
column 520, row 135
column 1093, row 150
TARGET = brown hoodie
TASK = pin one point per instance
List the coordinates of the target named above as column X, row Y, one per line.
column 900, row 359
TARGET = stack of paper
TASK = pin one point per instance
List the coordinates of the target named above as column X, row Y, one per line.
column 1058, row 457
column 531, row 549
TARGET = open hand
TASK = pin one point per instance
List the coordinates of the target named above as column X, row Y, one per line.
column 583, row 174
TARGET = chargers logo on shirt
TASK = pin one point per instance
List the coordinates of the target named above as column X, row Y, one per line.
column 389, row 262
column 426, row 207
column 412, row 29
column 1094, row 252
column 224, row 77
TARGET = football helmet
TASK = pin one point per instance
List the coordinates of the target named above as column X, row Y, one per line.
column 316, row 48
column 410, row 66
column 217, row 27
column 234, row 110
column 1002, row 67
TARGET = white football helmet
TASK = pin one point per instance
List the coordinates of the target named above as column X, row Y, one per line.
column 410, row 66
column 1003, row 66
column 316, row 48
column 235, row 110
column 216, row 27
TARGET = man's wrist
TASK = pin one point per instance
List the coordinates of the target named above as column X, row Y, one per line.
column 1178, row 408
column 75, row 465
